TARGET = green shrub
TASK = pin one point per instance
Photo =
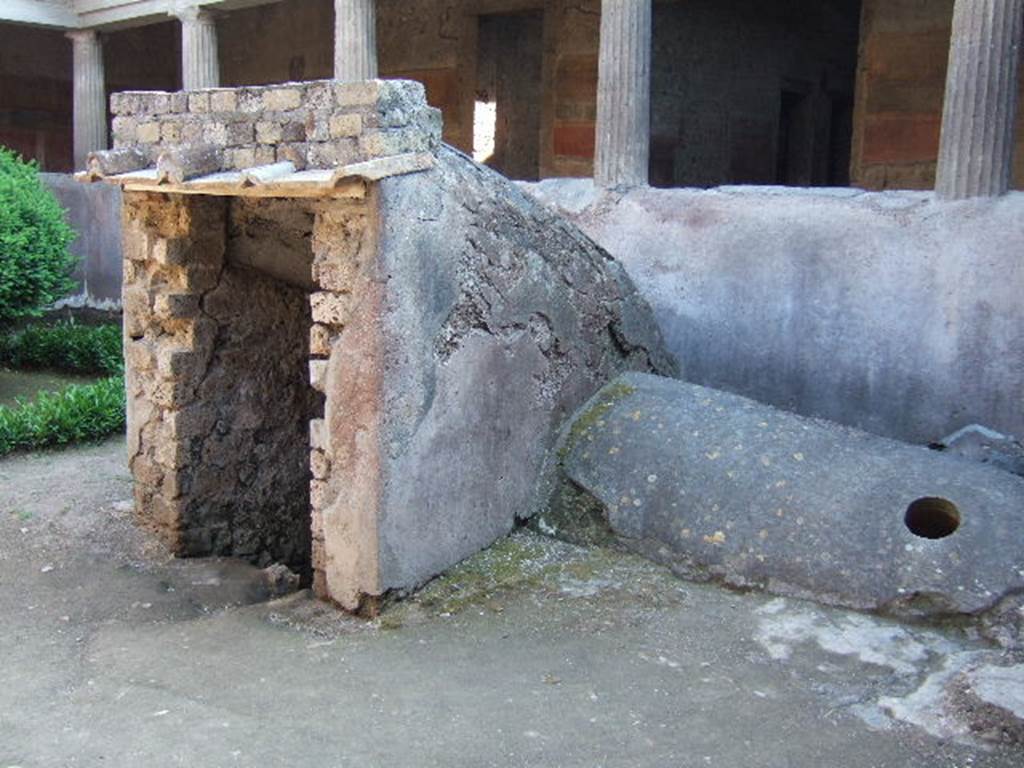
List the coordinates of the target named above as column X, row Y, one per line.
column 65, row 347
column 78, row 413
column 35, row 263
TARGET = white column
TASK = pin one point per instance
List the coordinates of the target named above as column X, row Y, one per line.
column 976, row 150
column 200, row 66
column 624, row 94
column 89, row 98
column 355, row 40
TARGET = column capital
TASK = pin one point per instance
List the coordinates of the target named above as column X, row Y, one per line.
column 80, row 36
column 193, row 14
column 200, row 66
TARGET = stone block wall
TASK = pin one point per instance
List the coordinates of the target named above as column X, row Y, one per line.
column 344, row 308
column 318, row 124
column 174, row 255
column 224, row 364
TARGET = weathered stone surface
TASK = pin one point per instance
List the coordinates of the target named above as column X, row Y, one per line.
column 490, row 338
column 1004, row 624
column 346, row 126
column 890, row 312
column 722, row 487
column 222, row 100
column 148, row 133
column 279, row 580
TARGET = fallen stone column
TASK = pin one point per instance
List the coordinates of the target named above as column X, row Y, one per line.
column 177, row 164
column 722, row 487
column 111, row 162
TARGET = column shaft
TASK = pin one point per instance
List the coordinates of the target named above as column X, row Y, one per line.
column 200, row 65
column 89, row 100
column 976, row 150
column 624, row 94
column 355, row 40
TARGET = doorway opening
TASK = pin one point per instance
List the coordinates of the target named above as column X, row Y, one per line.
column 509, row 88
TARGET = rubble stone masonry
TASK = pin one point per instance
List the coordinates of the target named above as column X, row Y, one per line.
column 224, row 364
column 232, row 306
column 316, row 124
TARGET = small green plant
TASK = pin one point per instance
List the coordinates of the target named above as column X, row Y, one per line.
column 78, row 413
column 65, row 347
column 35, row 263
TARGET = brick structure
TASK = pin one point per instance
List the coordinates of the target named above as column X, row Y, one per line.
column 316, row 124
column 358, row 368
column 205, row 304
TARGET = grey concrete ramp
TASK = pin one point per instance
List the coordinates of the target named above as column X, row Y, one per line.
column 723, row 487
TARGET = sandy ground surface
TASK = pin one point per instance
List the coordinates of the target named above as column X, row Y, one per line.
column 536, row 653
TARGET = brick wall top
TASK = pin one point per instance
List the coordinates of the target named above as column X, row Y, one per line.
column 316, row 124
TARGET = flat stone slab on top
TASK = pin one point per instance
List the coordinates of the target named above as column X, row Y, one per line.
column 723, row 487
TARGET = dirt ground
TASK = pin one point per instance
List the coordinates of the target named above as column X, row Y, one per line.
column 535, row 653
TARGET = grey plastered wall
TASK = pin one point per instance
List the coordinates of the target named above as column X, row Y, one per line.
column 94, row 212
column 499, row 321
column 886, row 311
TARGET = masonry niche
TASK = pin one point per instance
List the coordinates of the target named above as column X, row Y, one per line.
column 217, row 319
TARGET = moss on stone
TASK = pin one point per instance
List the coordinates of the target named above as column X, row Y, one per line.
column 512, row 562
column 527, row 563
column 575, row 515
column 590, row 418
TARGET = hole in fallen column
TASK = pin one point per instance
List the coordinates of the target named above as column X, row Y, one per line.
column 932, row 518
